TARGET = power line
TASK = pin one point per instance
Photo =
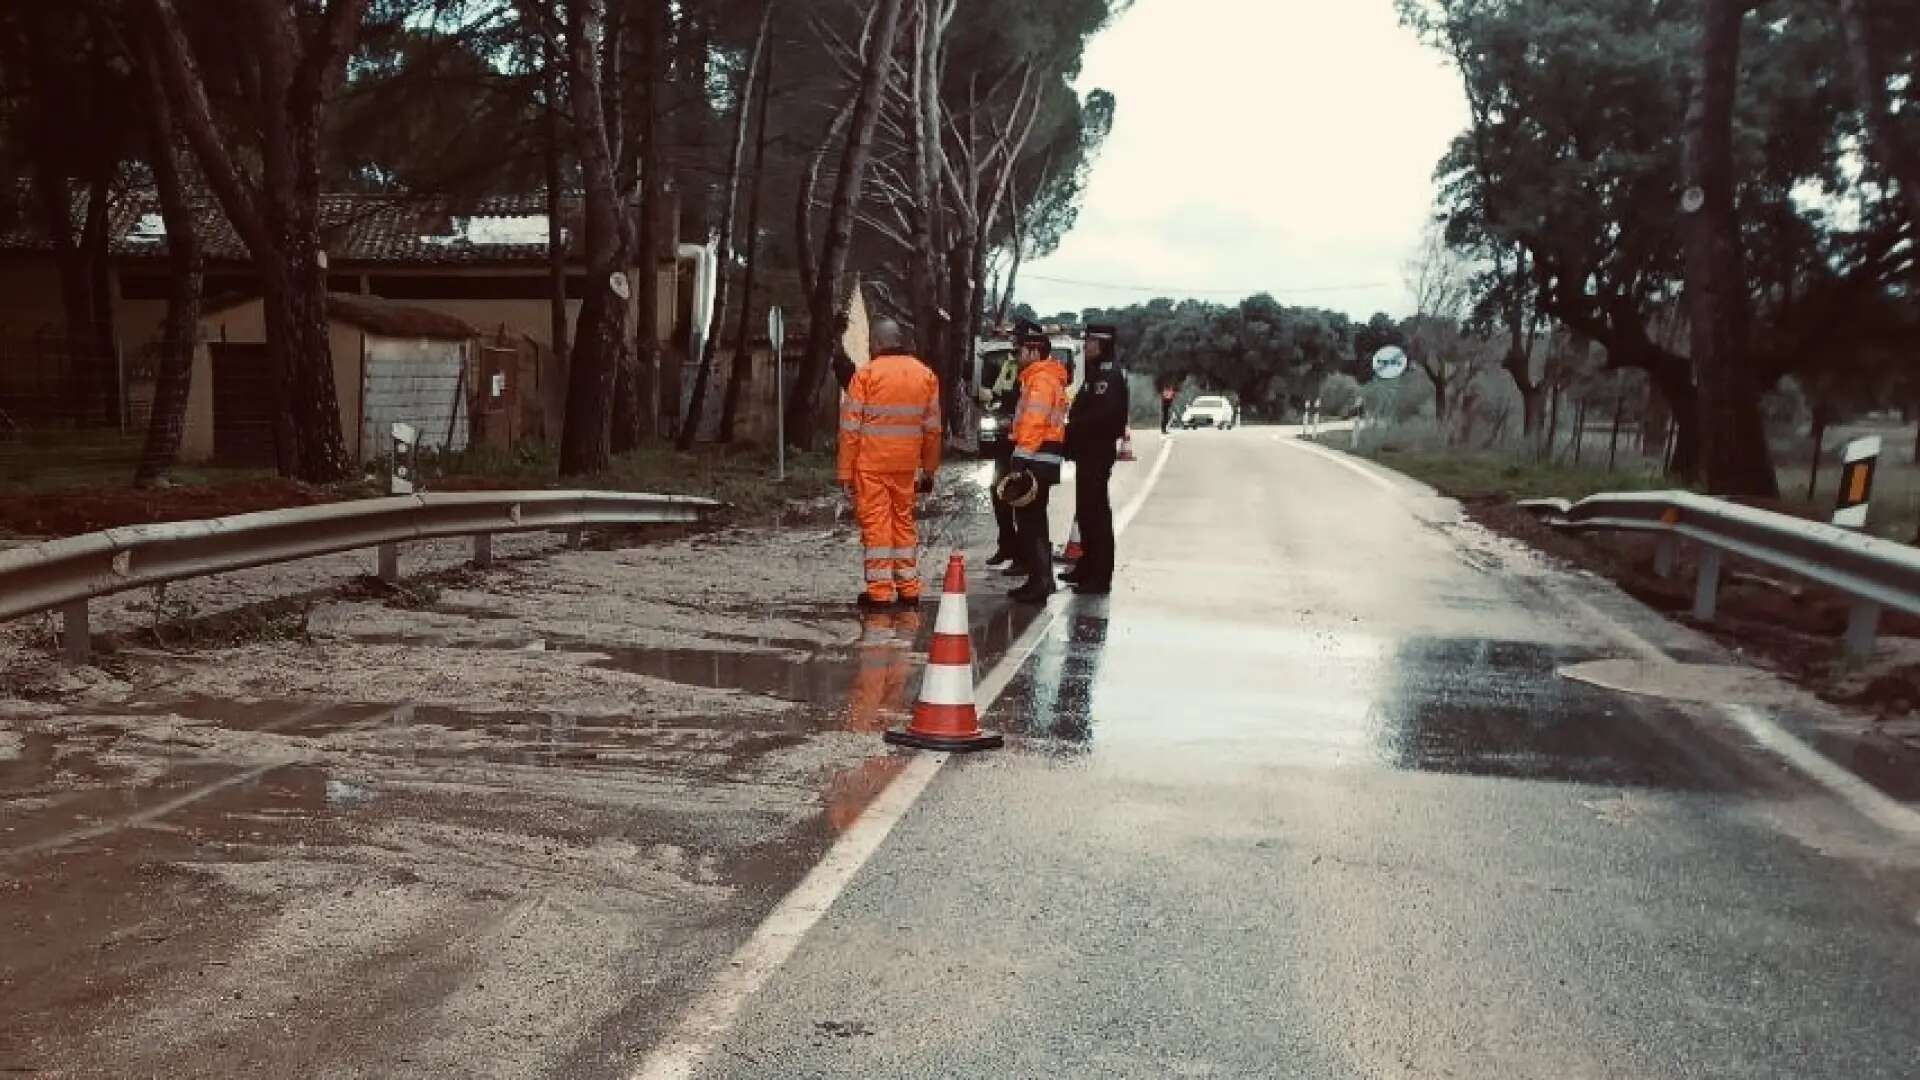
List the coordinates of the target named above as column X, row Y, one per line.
column 1164, row 290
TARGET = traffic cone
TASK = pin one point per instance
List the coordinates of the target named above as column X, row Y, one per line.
column 1126, row 446
column 945, row 717
column 1073, row 551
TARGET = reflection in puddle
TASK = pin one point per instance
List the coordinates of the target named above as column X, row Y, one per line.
column 1273, row 696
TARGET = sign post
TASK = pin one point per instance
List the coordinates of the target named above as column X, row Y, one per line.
column 777, row 337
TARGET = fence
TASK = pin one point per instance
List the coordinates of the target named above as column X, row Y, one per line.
column 66, row 573
column 71, row 412
column 1874, row 573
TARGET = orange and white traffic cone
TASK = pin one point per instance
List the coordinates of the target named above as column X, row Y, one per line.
column 1126, row 446
column 945, row 717
column 1073, row 550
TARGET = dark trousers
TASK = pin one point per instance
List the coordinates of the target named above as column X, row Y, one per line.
column 1093, row 508
column 1007, row 542
column 1166, row 415
column 1036, row 547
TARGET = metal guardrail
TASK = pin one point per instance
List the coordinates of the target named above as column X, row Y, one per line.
column 1875, row 574
column 66, row 573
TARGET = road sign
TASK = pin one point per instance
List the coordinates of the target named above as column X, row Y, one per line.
column 1390, row 363
column 777, row 337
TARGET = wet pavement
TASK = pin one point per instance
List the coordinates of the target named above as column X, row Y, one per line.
column 1313, row 794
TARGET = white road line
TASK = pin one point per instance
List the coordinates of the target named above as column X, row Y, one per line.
column 1373, row 476
column 1865, row 799
column 708, row 1019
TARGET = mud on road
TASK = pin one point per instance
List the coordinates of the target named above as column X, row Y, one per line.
column 496, row 828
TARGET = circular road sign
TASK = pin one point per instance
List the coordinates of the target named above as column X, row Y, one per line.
column 1390, row 362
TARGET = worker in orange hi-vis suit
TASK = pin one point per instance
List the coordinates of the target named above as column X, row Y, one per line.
column 1039, row 451
column 889, row 451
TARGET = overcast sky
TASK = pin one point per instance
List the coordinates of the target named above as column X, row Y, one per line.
column 1284, row 146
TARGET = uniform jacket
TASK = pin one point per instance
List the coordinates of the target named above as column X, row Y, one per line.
column 1099, row 415
column 890, row 420
column 1040, row 420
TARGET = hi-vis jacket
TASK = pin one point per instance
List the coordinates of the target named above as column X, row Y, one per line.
column 890, row 421
column 1040, row 421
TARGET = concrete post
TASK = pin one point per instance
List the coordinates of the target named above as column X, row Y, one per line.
column 389, row 563
column 1863, row 627
column 76, row 640
column 577, row 537
column 1666, row 555
column 1706, row 595
column 482, row 550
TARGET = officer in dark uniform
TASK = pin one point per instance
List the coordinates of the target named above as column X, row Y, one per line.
column 1094, row 426
column 1000, row 397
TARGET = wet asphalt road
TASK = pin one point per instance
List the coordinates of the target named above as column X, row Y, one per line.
column 1307, row 797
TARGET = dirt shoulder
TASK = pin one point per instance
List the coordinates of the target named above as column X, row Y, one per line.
column 489, row 823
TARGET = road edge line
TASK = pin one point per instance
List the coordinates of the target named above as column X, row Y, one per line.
column 1769, row 735
column 697, row 1033
column 1386, row 479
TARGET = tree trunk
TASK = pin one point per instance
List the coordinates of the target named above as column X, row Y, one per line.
column 313, row 405
column 1553, row 425
column 1653, row 425
column 1735, row 455
column 736, row 156
column 1579, row 430
column 1890, row 145
column 1613, row 438
column 179, row 332
column 585, row 445
column 300, row 63
column 823, row 310
column 743, row 340
column 636, row 390
column 1819, row 444
column 554, row 155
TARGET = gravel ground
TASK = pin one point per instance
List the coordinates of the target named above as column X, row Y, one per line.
column 490, row 823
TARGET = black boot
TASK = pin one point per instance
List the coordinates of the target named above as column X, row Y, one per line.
column 1033, row 592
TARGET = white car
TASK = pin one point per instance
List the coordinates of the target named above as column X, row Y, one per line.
column 1213, row 412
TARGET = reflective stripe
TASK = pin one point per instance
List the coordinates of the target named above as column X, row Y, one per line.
column 892, row 553
column 852, row 426
column 1044, row 459
column 906, row 573
column 892, row 410
column 947, row 686
column 884, row 574
column 889, row 430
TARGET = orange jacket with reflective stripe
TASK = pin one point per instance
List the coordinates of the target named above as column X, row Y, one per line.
column 890, row 418
column 1040, row 420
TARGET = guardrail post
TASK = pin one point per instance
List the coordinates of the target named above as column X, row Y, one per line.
column 76, row 640
column 1706, row 593
column 389, row 568
column 1665, row 555
column 482, row 550
column 577, row 537
column 1863, row 627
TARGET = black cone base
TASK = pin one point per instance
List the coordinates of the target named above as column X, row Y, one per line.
column 952, row 744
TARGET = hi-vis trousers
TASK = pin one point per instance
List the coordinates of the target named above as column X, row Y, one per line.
column 883, row 503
